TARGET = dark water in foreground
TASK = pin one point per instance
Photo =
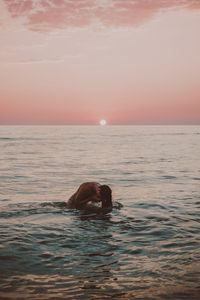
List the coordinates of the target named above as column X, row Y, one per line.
column 148, row 249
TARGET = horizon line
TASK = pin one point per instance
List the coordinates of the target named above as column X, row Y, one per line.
column 107, row 125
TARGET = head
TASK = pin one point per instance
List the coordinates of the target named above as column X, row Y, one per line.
column 106, row 196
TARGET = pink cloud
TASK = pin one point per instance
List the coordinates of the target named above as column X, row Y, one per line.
column 194, row 5
column 19, row 8
column 60, row 16
column 46, row 15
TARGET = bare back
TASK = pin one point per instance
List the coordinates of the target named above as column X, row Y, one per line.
column 87, row 191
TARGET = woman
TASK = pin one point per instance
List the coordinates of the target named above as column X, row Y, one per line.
column 91, row 192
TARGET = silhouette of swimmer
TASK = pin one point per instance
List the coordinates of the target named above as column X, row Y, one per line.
column 92, row 192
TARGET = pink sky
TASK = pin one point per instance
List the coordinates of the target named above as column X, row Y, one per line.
column 80, row 61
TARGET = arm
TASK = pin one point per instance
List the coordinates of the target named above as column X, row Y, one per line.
column 71, row 202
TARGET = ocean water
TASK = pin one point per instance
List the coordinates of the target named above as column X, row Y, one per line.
column 147, row 249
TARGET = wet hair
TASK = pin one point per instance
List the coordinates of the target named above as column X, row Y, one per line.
column 106, row 196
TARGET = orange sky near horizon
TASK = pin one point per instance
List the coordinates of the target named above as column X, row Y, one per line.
column 80, row 61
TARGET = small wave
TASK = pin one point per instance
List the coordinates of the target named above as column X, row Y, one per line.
column 21, row 210
column 169, row 177
column 7, row 257
column 117, row 205
column 20, row 139
column 130, row 162
column 5, row 138
column 130, row 180
column 45, row 255
column 24, row 211
column 174, row 133
column 149, row 205
column 60, row 204
column 157, row 219
column 163, row 233
column 4, row 200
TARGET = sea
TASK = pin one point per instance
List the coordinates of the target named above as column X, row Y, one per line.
column 148, row 247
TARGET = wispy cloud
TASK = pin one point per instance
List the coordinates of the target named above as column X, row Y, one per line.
column 37, row 61
column 20, row 59
column 47, row 15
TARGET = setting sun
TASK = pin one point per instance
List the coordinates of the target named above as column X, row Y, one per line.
column 102, row 122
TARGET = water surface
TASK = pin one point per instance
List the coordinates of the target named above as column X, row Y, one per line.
column 148, row 249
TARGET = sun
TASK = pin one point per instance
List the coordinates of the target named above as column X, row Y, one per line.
column 102, row 122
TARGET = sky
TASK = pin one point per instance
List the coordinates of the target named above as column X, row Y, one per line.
column 76, row 62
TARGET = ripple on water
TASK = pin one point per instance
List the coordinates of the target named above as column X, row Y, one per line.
column 169, row 177
column 146, row 249
column 150, row 205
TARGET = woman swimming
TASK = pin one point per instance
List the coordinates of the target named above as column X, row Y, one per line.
column 91, row 192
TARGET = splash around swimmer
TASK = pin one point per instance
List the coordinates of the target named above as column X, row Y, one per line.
column 89, row 193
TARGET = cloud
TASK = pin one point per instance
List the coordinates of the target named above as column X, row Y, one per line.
column 38, row 61
column 47, row 15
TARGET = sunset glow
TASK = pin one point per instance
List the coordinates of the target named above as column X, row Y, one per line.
column 72, row 62
column 102, row 122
